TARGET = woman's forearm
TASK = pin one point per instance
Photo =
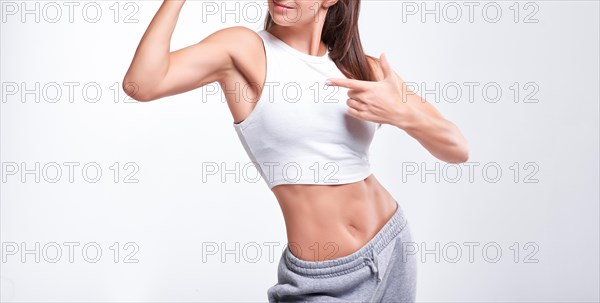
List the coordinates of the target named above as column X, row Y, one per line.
column 151, row 60
column 439, row 136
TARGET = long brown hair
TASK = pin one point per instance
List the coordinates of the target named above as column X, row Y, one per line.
column 340, row 34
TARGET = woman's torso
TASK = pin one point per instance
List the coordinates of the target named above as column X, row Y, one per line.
column 322, row 221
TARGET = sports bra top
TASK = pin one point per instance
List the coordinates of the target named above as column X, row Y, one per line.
column 299, row 131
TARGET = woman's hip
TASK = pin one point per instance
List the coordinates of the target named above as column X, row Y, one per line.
column 379, row 269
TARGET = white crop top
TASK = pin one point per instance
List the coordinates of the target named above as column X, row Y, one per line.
column 299, row 131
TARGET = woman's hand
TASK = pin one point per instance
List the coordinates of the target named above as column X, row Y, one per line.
column 391, row 101
column 378, row 101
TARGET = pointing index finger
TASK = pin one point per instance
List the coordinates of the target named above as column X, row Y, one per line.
column 348, row 83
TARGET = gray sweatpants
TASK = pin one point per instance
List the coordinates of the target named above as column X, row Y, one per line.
column 383, row 270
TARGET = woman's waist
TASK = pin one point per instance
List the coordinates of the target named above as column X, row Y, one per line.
column 330, row 221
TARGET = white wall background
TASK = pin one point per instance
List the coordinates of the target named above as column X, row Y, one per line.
column 171, row 215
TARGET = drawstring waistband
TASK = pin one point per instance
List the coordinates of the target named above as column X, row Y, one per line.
column 372, row 262
column 365, row 256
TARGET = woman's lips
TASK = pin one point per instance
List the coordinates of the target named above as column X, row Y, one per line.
column 281, row 5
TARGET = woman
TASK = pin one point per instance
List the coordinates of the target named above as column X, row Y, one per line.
column 347, row 235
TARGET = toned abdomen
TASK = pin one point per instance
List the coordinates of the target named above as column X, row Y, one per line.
column 325, row 222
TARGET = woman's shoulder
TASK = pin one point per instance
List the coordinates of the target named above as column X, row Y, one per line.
column 244, row 45
column 237, row 35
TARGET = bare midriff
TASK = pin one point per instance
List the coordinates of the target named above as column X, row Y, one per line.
column 325, row 222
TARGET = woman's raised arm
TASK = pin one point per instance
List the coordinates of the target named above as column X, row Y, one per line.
column 156, row 72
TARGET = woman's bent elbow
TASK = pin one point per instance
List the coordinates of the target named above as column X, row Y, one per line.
column 134, row 91
column 463, row 154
